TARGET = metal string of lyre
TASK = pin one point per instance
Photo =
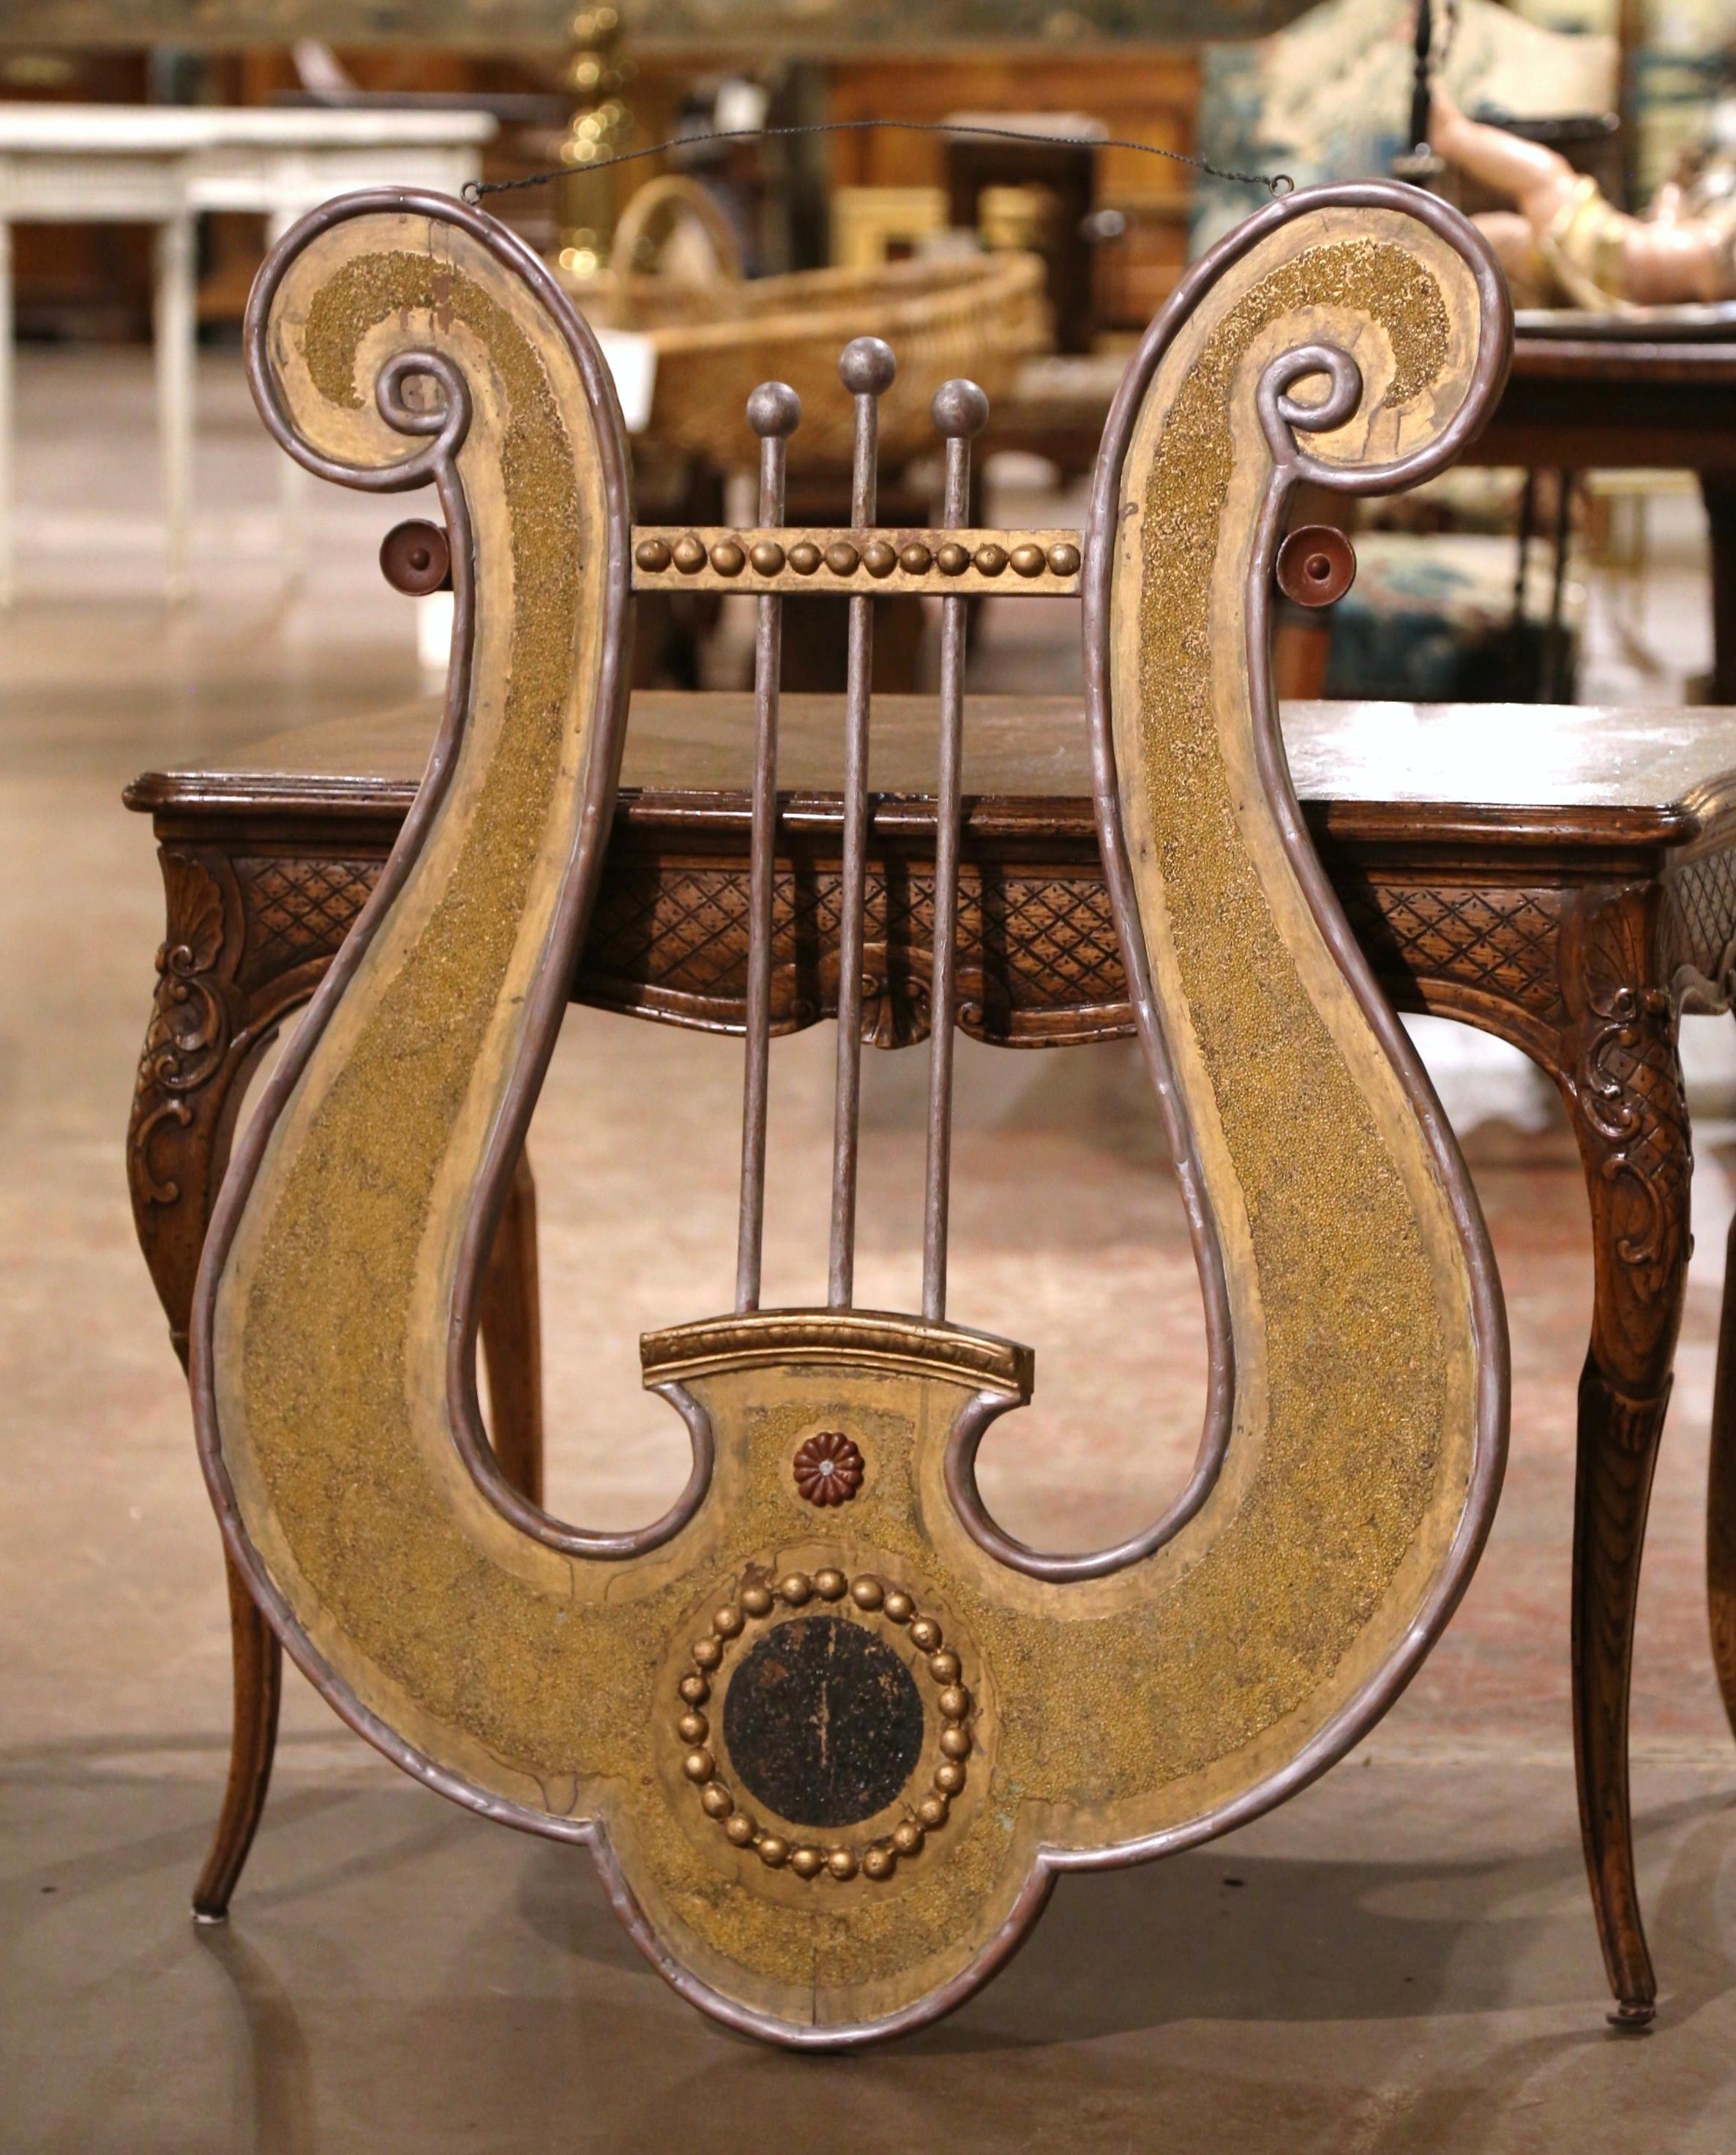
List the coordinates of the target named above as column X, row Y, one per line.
column 953, row 562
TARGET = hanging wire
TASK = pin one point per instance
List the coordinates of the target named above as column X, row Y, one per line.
column 1275, row 183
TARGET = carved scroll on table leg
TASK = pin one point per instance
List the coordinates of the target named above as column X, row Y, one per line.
column 201, row 1043
column 188, row 1072
column 1631, row 1119
column 1570, row 983
column 205, row 1035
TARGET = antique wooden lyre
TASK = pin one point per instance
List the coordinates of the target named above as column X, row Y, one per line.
column 830, row 1732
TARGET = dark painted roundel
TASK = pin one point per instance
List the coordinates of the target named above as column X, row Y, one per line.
column 823, row 1721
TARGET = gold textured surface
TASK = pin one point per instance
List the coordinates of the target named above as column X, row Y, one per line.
column 391, row 1563
column 1353, row 1342
column 1111, row 1709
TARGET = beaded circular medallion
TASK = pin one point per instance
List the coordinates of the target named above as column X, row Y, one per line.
column 824, row 1723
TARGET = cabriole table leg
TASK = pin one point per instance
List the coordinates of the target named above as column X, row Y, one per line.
column 204, row 1037
column 1721, row 1496
column 199, row 1048
column 259, row 1663
column 1581, row 999
column 1624, row 1088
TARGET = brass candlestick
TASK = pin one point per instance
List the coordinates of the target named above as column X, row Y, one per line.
column 587, row 200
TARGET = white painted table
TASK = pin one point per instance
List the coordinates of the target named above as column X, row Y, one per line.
column 164, row 165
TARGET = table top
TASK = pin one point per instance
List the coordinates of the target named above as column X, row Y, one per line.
column 1703, row 360
column 1578, row 403
column 1663, row 773
column 1667, row 321
column 1062, row 388
column 170, row 130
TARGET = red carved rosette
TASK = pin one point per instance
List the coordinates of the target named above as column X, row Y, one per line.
column 827, row 1467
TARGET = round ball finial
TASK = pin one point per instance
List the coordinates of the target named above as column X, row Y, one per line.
column 775, row 409
column 960, row 409
column 866, row 366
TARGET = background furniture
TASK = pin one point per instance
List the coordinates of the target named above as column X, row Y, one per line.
column 1571, row 404
column 1328, row 97
column 1144, row 94
column 1606, row 403
column 1163, row 73
column 1572, row 911
column 1040, row 193
column 164, row 166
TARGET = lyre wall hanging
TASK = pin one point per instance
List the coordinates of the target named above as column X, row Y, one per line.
column 828, row 1731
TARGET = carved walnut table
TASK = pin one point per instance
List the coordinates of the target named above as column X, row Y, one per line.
column 1575, row 904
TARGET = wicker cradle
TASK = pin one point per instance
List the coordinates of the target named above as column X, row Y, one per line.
column 718, row 340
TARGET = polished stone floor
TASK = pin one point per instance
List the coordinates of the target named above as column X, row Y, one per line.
column 1401, row 1960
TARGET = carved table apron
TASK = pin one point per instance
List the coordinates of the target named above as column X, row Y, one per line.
column 1574, row 910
